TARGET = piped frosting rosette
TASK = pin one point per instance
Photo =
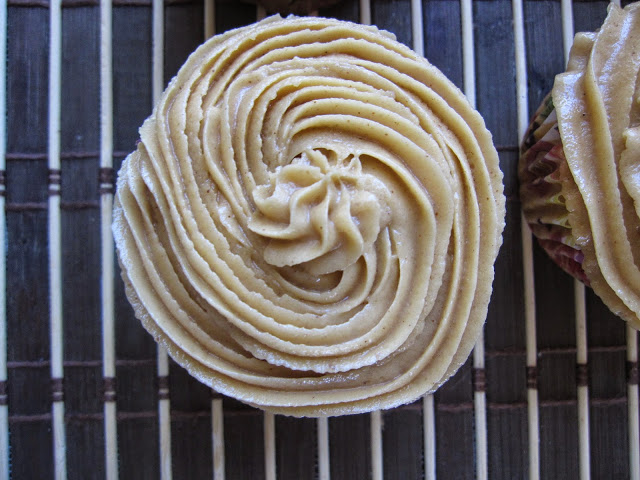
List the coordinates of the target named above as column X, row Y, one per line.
column 580, row 165
column 310, row 221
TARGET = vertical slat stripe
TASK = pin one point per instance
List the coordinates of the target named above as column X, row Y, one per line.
column 209, row 18
column 106, row 246
column 428, row 407
column 417, row 28
column 323, row 449
column 582, row 382
column 4, row 409
column 55, row 254
column 533, row 412
column 377, row 467
column 468, row 57
column 429, row 432
column 164, row 406
column 268, row 420
column 633, row 405
column 217, row 411
column 567, row 27
column 217, row 428
column 365, row 12
column 375, row 417
column 479, row 395
column 269, row 446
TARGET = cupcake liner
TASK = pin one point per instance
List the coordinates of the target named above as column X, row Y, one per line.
column 541, row 171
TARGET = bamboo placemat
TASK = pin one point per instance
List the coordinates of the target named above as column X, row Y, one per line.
column 550, row 392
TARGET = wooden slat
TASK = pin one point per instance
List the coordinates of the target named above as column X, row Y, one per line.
column 55, row 248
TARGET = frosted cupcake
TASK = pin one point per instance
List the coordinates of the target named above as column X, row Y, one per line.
column 310, row 221
column 580, row 164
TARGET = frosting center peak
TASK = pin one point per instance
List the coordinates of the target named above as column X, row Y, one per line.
column 320, row 211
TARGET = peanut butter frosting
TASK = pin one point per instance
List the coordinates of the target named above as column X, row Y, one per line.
column 596, row 102
column 310, row 220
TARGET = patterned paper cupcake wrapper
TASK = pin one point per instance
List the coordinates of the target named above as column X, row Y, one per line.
column 541, row 175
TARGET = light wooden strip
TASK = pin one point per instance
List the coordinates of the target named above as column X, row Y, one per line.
column 111, row 440
column 4, row 411
column 377, row 470
column 417, row 28
column 468, row 58
column 3, row 91
column 217, row 428
column 217, row 412
column 633, row 406
column 209, row 18
column 633, row 403
column 480, row 414
column 107, row 259
column 108, row 342
column 164, row 411
column 429, row 431
column 583, row 390
column 365, row 12
column 567, row 27
column 164, row 405
column 157, row 49
column 376, row 417
column 269, row 420
column 324, row 472
column 428, row 409
column 533, row 406
column 479, row 397
column 106, row 161
column 59, row 442
column 584, row 454
column 269, row 446
column 54, row 232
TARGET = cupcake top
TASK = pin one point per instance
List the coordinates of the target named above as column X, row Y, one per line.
column 598, row 113
column 311, row 218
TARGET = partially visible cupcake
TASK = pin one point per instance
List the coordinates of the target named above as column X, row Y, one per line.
column 580, row 164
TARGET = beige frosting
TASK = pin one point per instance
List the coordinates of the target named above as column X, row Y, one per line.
column 598, row 116
column 310, row 221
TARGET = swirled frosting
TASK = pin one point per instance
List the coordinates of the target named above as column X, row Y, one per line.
column 310, row 220
column 597, row 177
